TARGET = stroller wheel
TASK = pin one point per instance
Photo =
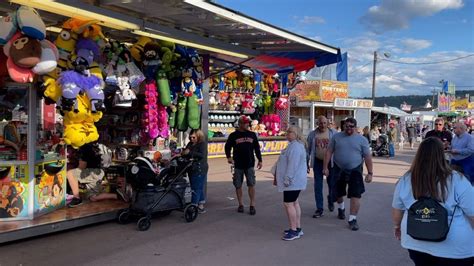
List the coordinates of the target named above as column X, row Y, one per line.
column 123, row 216
column 190, row 213
column 144, row 223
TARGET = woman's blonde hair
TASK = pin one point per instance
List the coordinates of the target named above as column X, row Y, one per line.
column 299, row 134
column 199, row 135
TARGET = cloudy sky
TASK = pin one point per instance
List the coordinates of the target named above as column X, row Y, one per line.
column 412, row 31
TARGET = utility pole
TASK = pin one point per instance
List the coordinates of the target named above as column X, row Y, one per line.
column 434, row 91
column 373, row 77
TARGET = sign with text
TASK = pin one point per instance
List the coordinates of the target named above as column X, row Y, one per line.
column 352, row 103
column 266, row 147
column 444, row 102
column 307, row 91
column 331, row 90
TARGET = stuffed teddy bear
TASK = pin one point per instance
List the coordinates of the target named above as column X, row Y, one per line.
column 213, row 102
column 231, row 102
column 254, row 126
column 223, row 97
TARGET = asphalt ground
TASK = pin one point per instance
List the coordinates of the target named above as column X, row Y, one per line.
column 224, row 237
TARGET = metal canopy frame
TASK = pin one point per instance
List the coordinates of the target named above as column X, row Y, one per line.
column 206, row 23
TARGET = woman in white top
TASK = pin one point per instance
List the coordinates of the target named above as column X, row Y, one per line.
column 290, row 178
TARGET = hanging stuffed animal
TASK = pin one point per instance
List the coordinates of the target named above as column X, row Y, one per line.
column 188, row 87
column 221, row 82
column 8, row 27
column 23, row 54
column 267, row 104
column 181, row 119
column 231, row 80
column 258, row 82
column 30, row 22
column 163, row 88
column 125, row 96
column 163, row 128
column 172, row 116
column 198, row 74
column 67, row 38
column 151, row 60
column 193, row 113
column 284, row 84
column 213, row 103
column 247, row 79
column 49, row 58
column 138, row 49
column 151, row 110
column 282, row 103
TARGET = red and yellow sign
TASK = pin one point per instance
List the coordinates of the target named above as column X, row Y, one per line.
column 216, row 149
column 331, row 90
column 320, row 90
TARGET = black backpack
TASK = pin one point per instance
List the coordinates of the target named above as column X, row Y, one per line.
column 428, row 220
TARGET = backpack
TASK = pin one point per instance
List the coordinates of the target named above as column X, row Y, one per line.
column 105, row 155
column 428, row 220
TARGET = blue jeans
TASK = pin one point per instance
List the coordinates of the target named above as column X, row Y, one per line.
column 197, row 185
column 318, row 184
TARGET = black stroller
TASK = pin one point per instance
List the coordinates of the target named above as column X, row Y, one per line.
column 381, row 148
column 158, row 194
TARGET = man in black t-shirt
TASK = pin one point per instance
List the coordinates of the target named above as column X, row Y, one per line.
column 244, row 146
column 89, row 174
column 441, row 133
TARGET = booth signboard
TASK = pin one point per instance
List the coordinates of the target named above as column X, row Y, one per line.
column 330, row 90
column 307, row 91
column 352, row 103
column 216, row 149
column 14, row 192
column 50, row 187
column 443, row 102
column 461, row 104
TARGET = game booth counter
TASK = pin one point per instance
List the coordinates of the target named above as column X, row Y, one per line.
column 72, row 73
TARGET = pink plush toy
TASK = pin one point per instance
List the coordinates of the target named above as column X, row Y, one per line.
column 162, row 121
column 151, row 110
column 274, row 125
column 248, row 105
column 282, row 103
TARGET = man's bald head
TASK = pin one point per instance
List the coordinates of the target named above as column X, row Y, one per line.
column 322, row 123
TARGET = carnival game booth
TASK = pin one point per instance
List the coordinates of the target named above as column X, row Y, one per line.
column 135, row 83
column 383, row 116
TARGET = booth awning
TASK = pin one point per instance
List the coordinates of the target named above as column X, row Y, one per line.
column 286, row 62
column 389, row 111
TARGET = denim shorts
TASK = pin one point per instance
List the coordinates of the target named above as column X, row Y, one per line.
column 238, row 177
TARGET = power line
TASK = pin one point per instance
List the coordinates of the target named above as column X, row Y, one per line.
column 426, row 63
column 424, row 85
column 359, row 68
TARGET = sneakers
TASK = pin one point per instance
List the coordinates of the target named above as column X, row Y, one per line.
column 340, row 214
column 291, row 235
column 123, row 195
column 75, row 202
column 353, row 225
column 298, row 230
column 252, row 210
column 240, row 208
column 318, row 213
column 202, row 210
column 330, row 205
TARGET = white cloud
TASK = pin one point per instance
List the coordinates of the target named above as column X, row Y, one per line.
column 396, row 87
column 413, row 79
column 397, row 14
column 312, row 20
column 412, row 45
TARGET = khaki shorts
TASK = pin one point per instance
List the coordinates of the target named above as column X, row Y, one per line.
column 238, row 177
column 90, row 178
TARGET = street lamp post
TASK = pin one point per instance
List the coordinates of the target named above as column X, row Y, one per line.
column 373, row 77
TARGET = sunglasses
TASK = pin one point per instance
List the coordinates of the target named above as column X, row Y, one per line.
column 350, row 126
column 439, row 124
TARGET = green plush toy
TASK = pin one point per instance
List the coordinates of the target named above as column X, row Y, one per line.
column 181, row 119
column 163, row 88
column 172, row 116
column 267, row 104
column 194, row 116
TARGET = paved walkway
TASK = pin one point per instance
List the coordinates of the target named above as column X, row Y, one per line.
column 224, row 237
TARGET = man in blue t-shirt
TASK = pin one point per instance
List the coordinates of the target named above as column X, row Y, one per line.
column 349, row 150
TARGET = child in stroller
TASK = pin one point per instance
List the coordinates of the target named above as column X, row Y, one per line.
column 381, row 146
column 158, row 193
